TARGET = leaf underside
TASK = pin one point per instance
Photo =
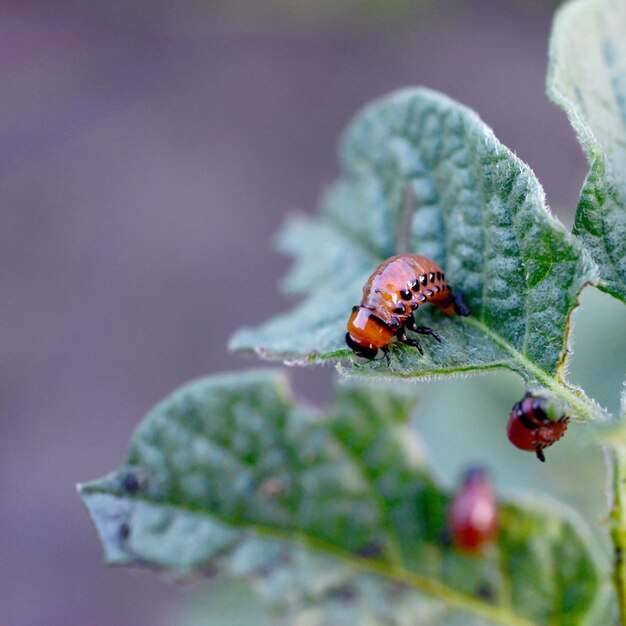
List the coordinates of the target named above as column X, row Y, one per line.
column 421, row 173
column 587, row 78
column 334, row 517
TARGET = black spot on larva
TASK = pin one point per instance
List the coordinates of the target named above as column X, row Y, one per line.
column 429, row 293
column 405, row 294
column 415, row 286
column 400, row 309
column 355, row 308
column 443, row 276
column 431, row 277
column 413, row 306
column 438, row 275
column 436, row 289
column 423, row 279
column 124, row 531
column 421, row 298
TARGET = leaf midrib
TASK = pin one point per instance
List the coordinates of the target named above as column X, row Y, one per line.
column 428, row 586
column 581, row 402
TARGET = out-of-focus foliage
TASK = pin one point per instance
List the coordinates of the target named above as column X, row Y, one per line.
column 334, row 516
column 587, row 78
column 453, row 412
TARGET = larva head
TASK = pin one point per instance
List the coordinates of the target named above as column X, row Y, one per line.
column 473, row 515
column 536, row 423
column 367, row 333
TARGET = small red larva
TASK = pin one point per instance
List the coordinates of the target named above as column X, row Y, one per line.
column 392, row 293
column 536, row 423
column 473, row 517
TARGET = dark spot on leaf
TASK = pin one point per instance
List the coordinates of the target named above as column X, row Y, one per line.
column 210, row 571
column 345, row 593
column 134, row 482
column 398, row 590
column 370, row 550
column 445, row 537
column 485, row 592
column 124, row 531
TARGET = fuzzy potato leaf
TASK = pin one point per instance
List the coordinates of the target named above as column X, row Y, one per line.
column 334, row 517
column 587, row 78
column 422, row 173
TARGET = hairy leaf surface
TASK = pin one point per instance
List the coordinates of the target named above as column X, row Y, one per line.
column 335, row 517
column 421, row 173
column 587, row 78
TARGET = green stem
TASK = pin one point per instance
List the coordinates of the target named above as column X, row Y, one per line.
column 617, row 526
column 584, row 406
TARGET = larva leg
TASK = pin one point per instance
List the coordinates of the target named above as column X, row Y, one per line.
column 402, row 338
column 410, row 322
column 414, row 344
column 424, row 330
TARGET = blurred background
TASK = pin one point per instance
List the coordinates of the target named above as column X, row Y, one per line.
column 149, row 151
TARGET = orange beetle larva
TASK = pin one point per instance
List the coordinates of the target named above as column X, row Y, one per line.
column 536, row 423
column 392, row 293
column 473, row 516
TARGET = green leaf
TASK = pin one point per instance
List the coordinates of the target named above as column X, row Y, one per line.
column 587, row 78
column 334, row 517
column 422, row 173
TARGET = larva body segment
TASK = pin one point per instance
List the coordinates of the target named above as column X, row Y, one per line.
column 398, row 287
column 535, row 423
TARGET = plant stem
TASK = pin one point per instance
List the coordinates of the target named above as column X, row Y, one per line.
column 617, row 525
